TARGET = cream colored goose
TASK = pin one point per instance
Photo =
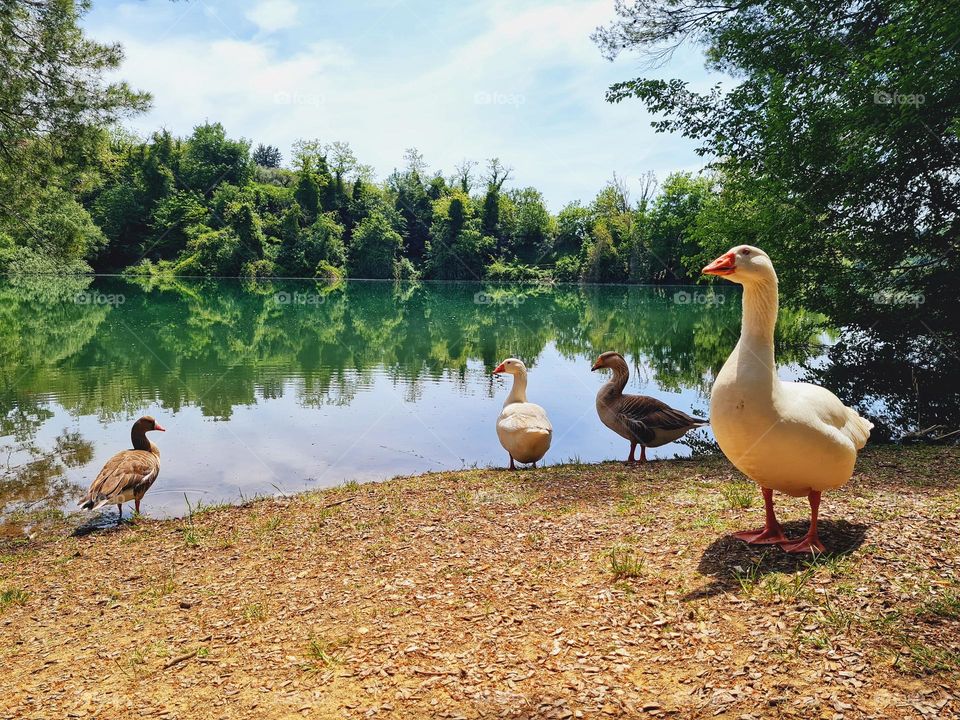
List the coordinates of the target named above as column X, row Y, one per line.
column 523, row 427
column 795, row 438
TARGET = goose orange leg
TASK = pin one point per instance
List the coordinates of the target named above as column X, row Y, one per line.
column 772, row 532
column 643, row 453
column 630, row 458
column 811, row 541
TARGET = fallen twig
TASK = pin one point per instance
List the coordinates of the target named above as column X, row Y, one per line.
column 339, row 502
column 180, row 658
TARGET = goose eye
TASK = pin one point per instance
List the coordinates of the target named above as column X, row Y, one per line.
column 745, row 252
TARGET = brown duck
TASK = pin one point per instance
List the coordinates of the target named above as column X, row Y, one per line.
column 128, row 474
column 644, row 421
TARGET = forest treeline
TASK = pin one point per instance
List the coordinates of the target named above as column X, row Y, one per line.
column 209, row 204
column 836, row 150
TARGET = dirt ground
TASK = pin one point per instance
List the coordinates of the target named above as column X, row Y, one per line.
column 574, row 591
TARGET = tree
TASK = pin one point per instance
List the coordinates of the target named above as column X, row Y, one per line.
column 374, row 248
column 603, row 262
column 463, row 175
column 671, row 221
column 267, row 156
column 847, row 112
column 497, row 173
column 415, row 207
column 535, row 229
column 457, row 250
column 574, row 223
column 211, row 159
column 307, row 194
column 51, row 83
column 54, row 102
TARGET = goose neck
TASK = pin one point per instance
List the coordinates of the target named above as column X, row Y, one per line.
column 760, row 307
column 618, row 379
column 518, row 393
column 139, row 439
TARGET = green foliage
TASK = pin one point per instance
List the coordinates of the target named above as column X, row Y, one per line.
column 567, row 269
column 456, row 249
column 52, row 93
column 670, row 226
column 574, row 225
column 404, row 270
column 534, row 228
column 374, row 248
column 840, row 135
column 603, row 262
column 501, row 271
column 267, row 156
column 211, row 159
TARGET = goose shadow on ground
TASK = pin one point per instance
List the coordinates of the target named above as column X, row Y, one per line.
column 102, row 523
column 727, row 559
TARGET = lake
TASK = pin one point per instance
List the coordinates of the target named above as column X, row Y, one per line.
column 276, row 387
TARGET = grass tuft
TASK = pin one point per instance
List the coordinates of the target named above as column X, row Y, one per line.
column 739, row 495
column 624, row 562
column 12, row 596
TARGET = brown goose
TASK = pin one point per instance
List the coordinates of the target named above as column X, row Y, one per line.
column 128, row 474
column 644, row 421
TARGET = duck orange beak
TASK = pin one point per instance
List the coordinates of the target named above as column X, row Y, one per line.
column 726, row 264
column 597, row 365
column 498, row 369
column 158, row 426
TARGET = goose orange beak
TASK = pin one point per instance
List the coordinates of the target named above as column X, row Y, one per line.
column 498, row 369
column 597, row 365
column 158, row 426
column 726, row 264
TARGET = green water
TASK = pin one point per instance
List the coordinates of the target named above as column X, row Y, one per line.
column 282, row 386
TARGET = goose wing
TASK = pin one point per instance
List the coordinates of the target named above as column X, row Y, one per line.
column 127, row 473
column 644, row 416
column 525, row 416
column 823, row 407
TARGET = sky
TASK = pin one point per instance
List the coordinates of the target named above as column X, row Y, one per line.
column 515, row 79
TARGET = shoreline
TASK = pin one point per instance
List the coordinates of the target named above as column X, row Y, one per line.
column 570, row 591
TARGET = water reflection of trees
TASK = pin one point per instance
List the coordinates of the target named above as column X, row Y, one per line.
column 220, row 344
column 33, row 479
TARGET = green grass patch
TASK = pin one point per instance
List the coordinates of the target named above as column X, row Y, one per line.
column 12, row 596
column 739, row 495
column 624, row 562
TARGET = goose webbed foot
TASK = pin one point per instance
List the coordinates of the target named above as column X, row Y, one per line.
column 766, row 536
column 809, row 543
column 772, row 532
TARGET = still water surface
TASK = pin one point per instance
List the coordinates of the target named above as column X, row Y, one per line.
column 283, row 386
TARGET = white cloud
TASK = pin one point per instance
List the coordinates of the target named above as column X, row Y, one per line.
column 527, row 86
column 273, row 15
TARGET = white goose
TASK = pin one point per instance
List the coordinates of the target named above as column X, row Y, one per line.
column 523, row 427
column 795, row 438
